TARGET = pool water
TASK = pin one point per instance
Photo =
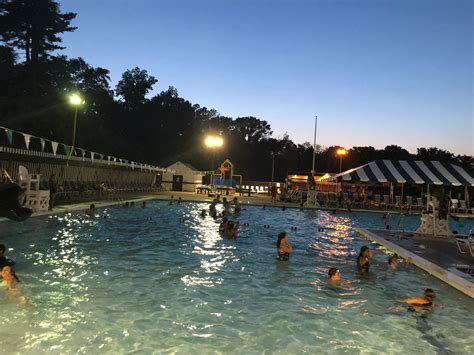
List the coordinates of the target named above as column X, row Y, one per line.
column 162, row 280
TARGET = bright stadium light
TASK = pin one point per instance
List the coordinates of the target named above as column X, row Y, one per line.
column 341, row 152
column 214, row 142
column 76, row 100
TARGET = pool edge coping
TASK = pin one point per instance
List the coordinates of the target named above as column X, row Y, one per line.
column 439, row 272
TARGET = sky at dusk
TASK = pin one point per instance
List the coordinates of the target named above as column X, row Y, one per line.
column 375, row 72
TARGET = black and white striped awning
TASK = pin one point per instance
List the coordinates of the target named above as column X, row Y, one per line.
column 408, row 171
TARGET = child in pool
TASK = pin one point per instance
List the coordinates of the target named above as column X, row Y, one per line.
column 284, row 247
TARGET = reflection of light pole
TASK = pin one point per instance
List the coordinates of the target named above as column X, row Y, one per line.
column 341, row 152
column 213, row 142
column 76, row 101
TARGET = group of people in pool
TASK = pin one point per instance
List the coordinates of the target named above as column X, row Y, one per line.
column 228, row 228
column 284, row 249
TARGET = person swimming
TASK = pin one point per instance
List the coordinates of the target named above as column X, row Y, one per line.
column 91, row 210
column 334, row 276
column 144, row 204
column 393, row 261
column 212, row 206
column 284, row 247
column 226, row 205
column 11, row 285
column 236, row 204
column 363, row 260
column 203, row 213
column 223, row 225
column 180, row 200
column 4, row 260
column 421, row 304
column 229, row 228
column 335, row 279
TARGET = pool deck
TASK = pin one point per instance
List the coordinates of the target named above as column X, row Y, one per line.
column 439, row 256
column 255, row 200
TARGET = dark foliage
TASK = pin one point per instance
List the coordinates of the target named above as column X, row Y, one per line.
column 35, row 82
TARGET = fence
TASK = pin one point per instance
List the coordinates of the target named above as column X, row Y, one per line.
column 79, row 173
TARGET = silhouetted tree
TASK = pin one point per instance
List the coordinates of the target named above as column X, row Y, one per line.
column 34, row 26
column 134, row 86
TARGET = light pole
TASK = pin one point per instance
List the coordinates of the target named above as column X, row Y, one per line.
column 273, row 165
column 76, row 101
column 341, row 152
column 213, row 142
column 314, row 144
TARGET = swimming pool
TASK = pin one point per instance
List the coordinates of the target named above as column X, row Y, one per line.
column 145, row 281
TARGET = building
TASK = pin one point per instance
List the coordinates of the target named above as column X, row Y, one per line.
column 182, row 177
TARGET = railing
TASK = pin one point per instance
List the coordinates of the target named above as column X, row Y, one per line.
column 84, row 155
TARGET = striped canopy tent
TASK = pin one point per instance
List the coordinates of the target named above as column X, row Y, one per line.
column 407, row 171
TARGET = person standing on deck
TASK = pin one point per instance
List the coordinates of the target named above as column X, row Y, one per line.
column 53, row 191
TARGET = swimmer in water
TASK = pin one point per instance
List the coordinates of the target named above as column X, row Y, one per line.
column 237, row 207
column 11, row 286
column 334, row 276
column 126, row 204
column 179, row 200
column 335, row 279
column 212, row 206
column 224, row 224
column 229, row 228
column 421, row 304
column 363, row 260
column 144, row 204
column 232, row 228
column 226, row 205
column 284, row 248
column 394, row 261
column 91, row 210
column 203, row 214
column 4, row 260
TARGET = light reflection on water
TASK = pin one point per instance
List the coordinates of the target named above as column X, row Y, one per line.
column 162, row 278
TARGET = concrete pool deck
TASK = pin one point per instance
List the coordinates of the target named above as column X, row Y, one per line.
column 439, row 256
column 256, row 200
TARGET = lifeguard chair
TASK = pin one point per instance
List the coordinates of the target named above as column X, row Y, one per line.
column 225, row 179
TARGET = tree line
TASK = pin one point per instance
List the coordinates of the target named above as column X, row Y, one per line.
column 35, row 82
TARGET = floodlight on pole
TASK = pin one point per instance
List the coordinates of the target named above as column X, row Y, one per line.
column 214, row 142
column 76, row 101
column 341, row 152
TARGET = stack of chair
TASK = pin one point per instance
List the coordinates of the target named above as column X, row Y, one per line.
column 36, row 199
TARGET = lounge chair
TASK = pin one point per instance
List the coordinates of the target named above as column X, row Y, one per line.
column 454, row 205
column 419, row 203
column 410, row 202
column 466, row 241
column 398, row 201
column 377, row 200
column 386, row 201
column 463, row 206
